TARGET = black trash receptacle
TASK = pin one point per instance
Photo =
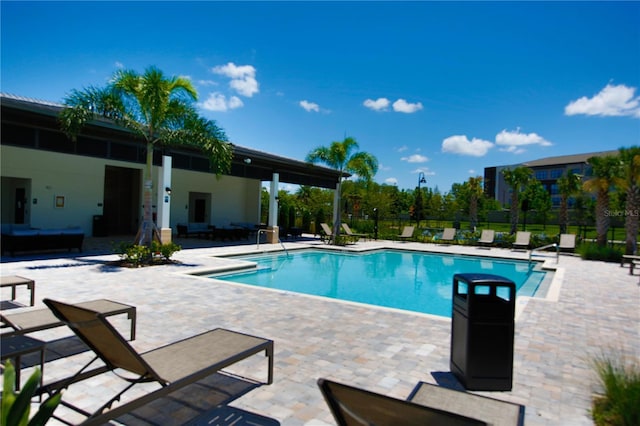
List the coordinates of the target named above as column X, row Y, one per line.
column 99, row 226
column 482, row 330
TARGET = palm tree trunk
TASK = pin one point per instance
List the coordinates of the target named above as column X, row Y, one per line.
column 602, row 219
column 563, row 215
column 514, row 211
column 473, row 212
column 631, row 219
column 145, row 234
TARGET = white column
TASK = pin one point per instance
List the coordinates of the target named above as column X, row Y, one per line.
column 164, row 200
column 273, row 236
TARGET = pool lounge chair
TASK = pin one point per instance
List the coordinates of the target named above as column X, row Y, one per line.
column 43, row 319
column 523, row 240
column 326, row 233
column 567, row 242
column 354, row 406
column 407, row 233
column 172, row 367
column 487, row 237
column 355, row 236
column 448, row 235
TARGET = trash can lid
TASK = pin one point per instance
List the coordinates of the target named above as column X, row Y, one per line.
column 480, row 278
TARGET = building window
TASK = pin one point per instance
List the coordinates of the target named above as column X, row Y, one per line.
column 541, row 174
column 556, row 173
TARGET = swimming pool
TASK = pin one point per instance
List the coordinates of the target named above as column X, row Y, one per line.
column 413, row 281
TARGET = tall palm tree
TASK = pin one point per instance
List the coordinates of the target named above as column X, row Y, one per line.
column 516, row 178
column 568, row 184
column 343, row 157
column 475, row 193
column 156, row 108
column 630, row 158
column 605, row 174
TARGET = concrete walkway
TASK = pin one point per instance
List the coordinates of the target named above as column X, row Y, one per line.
column 589, row 308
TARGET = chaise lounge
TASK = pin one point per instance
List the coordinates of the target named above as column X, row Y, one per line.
column 487, row 237
column 427, row 405
column 523, row 240
column 407, row 233
column 172, row 367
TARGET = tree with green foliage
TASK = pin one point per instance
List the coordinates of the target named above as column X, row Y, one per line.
column 475, row 192
column 516, row 178
column 568, row 185
column 343, row 157
column 606, row 171
column 630, row 158
column 158, row 109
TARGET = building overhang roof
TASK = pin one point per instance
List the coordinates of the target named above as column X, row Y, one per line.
column 247, row 162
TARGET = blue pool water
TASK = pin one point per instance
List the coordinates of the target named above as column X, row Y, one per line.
column 419, row 282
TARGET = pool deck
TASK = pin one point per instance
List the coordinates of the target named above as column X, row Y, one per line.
column 590, row 308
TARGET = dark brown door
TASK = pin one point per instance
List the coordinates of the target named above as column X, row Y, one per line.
column 121, row 200
column 20, row 200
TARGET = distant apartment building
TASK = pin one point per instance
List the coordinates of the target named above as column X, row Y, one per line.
column 546, row 170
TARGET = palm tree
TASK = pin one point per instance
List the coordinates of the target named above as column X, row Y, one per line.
column 341, row 156
column 156, row 108
column 630, row 158
column 605, row 174
column 568, row 184
column 516, row 179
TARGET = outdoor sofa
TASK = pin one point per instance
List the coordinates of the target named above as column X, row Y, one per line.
column 18, row 238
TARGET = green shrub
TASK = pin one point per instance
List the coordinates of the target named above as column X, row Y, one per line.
column 137, row 255
column 16, row 407
column 619, row 402
column 596, row 252
column 166, row 250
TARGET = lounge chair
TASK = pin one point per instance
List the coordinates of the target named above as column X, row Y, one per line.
column 407, row 233
column 353, row 406
column 173, row 366
column 567, row 242
column 523, row 240
column 449, row 234
column 43, row 319
column 326, row 233
column 487, row 237
column 490, row 410
column 354, row 235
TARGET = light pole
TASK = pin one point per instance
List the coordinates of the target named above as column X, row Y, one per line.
column 419, row 207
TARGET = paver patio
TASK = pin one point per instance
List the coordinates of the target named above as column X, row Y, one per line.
column 591, row 308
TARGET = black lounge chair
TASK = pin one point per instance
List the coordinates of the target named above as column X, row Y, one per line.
column 172, row 367
column 353, row 406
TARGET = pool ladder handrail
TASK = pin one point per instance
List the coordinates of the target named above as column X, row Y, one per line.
column 279, row 240
column 546, row 247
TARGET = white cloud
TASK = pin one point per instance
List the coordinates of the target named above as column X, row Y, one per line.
column 380, row 104
column 119, row 65
column 403, row 148
column 309, row 106
column 415, row 158
column 243, row 78
column 460, row 144
column 471, row 172
column 219, row 102
column 403, row 106
column 617, row 100
column 391, row 181
column 513, row 141
column 207, row 83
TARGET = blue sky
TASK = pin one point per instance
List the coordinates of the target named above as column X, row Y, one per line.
column 445, row 89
